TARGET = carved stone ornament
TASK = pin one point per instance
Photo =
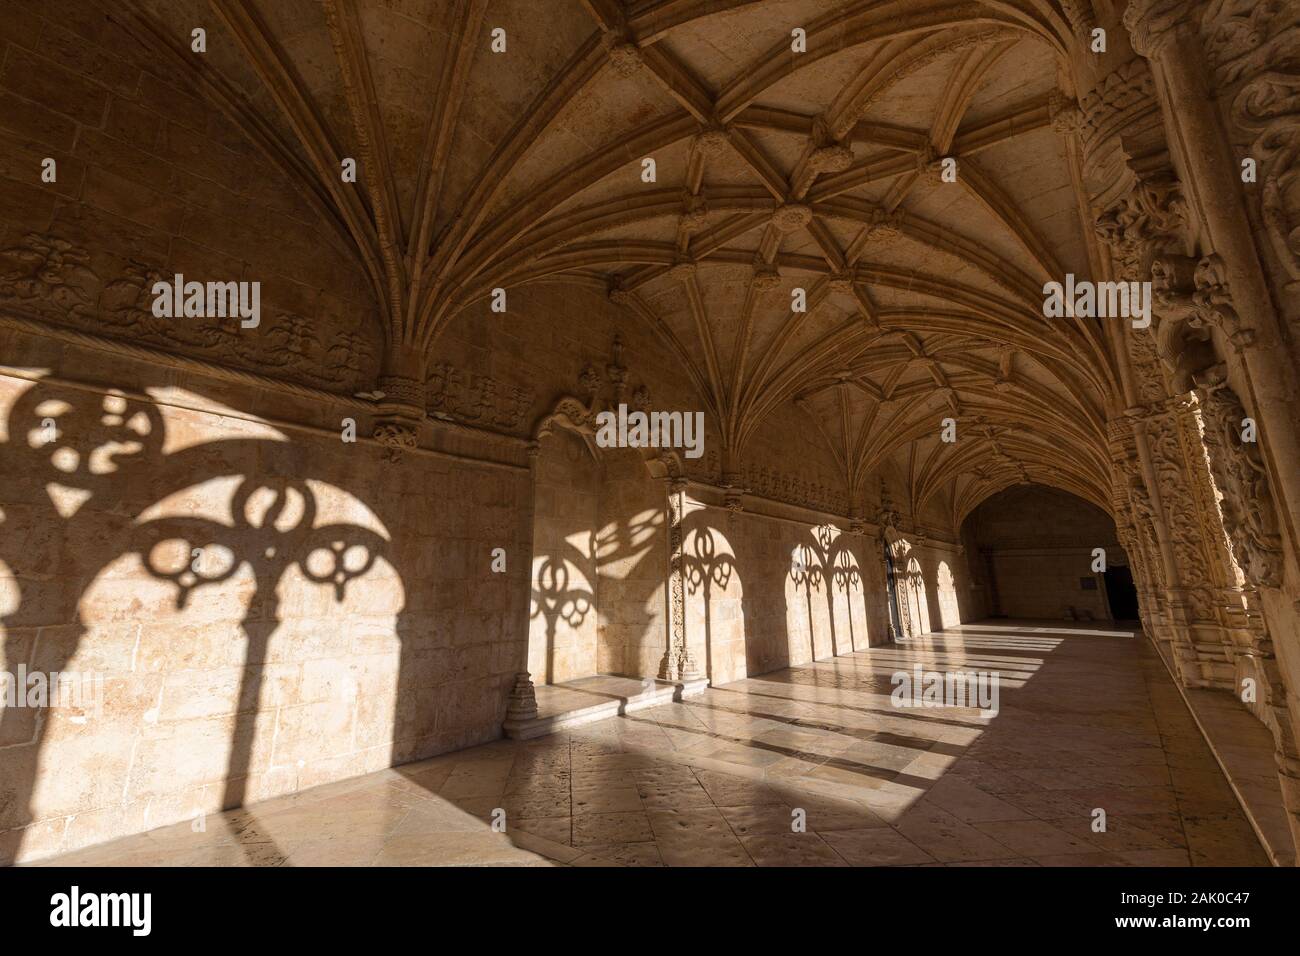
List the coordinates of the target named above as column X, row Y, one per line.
column 712, row 141
column 766, row 277
column 52, row 279
column 456, row 395
column 1154, row 24
column 695, row 212
column 1249, row 515
column 884, row 226
column 1064, row 112
column 791, row 217
column 1142, row 222
column 625, row 58
column 834, row 158
column 396, row 437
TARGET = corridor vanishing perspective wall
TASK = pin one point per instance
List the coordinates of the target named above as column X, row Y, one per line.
column 1037, row 546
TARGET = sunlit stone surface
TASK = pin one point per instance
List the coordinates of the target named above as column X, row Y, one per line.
column 1088, row 718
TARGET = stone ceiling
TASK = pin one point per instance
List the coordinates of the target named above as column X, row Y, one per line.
column 775, row 170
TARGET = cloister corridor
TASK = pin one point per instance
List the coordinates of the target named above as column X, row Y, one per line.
column 1089, row 717
column 649, row 432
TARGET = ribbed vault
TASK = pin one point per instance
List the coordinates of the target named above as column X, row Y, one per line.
column 775, row 171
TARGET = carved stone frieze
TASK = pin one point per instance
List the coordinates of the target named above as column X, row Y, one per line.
column 52, row 279
column 794, row 489
column 476, row 399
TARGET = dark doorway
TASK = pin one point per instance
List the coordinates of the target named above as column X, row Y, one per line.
column 1121, row 594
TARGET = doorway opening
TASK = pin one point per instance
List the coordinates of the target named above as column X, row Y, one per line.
column 1121, row 594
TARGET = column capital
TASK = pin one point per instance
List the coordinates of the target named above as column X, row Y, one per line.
column 1154, row 25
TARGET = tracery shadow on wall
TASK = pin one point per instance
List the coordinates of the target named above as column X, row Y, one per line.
column 710, row 574
column 598, row 524
column 824, row 594
column 85, row 475
column 916, row 597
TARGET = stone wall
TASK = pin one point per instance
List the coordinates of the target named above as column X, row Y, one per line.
column 562, row 634
column 1036, row 546
column 767, row 590
column 339, row 614
column 632, row 556
column 153, row 180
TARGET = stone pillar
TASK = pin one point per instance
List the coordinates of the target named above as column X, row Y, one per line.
column 1254, row 48
column 523, row 697
column 1227, row 72
column 678, row 663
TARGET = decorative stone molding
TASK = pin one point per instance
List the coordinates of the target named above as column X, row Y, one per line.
column 695, row 212
column 828, row 154
column 885, row 225
column 617, row 294
column 842, row 282
column 1194, row 301
column 1268, row 107
column 1213, row 302
column 683, row 269
column 1143, row 221
column 1064, row 112
column 1079, row 13
column 793, row 489
column 617, row 371
column 455, row 395
column 1241, row 37
column 1123, row 97
column 397, row 436
column 580, row 416
column 830, row 158
column 1249, row 514
column 589, row 379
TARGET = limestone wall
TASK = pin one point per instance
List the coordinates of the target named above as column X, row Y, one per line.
column 1036, row 550
column 632, row 555
column 340, row 614
column 562, row 630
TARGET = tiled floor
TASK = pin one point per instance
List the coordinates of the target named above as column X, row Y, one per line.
column 1088, row 721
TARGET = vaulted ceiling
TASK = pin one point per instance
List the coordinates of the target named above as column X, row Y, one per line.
column 775, row 170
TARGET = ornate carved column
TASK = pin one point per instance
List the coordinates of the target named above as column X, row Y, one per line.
column 678, row 663
column 1228, row 73
column 1128, row 496
column 1237, row 58
column 1143, row 220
